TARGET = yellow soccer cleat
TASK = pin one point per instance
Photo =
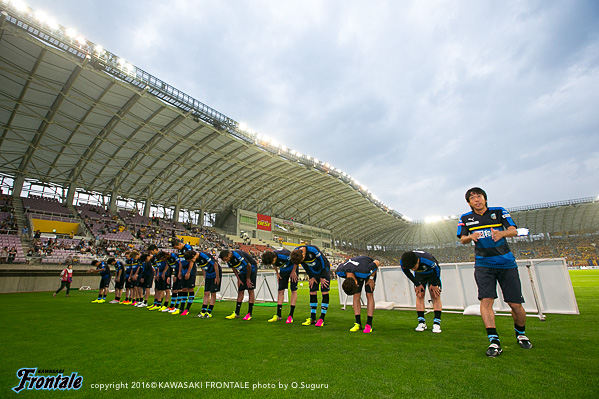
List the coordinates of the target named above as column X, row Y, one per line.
column 355, row 328
column 274, row 318
column 232, row 316
column 176, row 312
column 308, row 322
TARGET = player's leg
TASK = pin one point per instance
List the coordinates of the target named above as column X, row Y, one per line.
column 369, row 306
column 435, row 291
column 191, row 285
column 420, row 308
column 213, row 290
column 205, row 298
column 212, row 301
column 314, row 284
column 324, row 306
column 240, row 295
column 167, row 298
column 357, row 306
column 283, row 284
column 369, row 312
column 251, row 295
column 486, row 280
column 509, row 281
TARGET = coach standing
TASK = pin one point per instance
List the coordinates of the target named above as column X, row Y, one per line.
column 494, row 262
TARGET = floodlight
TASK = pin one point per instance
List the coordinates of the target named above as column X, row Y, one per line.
column 71, row 32
column 52, row 24
column 19, row 5
column 432, row 219
column 41, row 16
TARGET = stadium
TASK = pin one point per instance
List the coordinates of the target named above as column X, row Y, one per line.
column 99, row 156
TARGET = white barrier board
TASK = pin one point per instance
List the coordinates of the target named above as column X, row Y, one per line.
column 549, row 277
column 266, row 287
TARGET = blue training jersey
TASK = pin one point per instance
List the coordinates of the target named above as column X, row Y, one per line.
column 361, row 266
column 242, row 261
column 282, row 261
column 104, row 270
column 128, row 262
column 427, row 265
column 207, row 262
column 489, row 253
column 315, row 263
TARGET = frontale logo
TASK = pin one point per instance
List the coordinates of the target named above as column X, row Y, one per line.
column 30, row 381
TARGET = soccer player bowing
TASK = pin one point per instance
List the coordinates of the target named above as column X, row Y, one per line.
column 212, row 277
column 104, row 270
column 187, row 277
column 160, row 279
column 423, row 269
column 286, row 271
column 318, row 268
column 246, row 270
column 356, row 272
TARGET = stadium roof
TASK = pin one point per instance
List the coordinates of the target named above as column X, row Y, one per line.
column 76, row 115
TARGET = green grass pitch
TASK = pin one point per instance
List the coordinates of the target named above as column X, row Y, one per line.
column 112, row 344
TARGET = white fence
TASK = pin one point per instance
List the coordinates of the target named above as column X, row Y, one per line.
column 266, row 287
column 546, row 288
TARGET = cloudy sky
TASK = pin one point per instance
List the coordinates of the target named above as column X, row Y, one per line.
column 418, row 100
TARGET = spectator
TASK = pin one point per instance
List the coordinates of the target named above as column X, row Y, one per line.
column 12, row 254
column 3, row 255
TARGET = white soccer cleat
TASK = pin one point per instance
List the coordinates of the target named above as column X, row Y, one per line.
column 421, row 327
column 436, row 328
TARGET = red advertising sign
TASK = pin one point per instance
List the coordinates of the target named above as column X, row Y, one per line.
column 263, row 222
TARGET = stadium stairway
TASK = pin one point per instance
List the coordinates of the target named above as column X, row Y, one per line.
column 22, row 220
column 84, row 230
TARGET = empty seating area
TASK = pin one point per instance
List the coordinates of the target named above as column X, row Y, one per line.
column 45, row 205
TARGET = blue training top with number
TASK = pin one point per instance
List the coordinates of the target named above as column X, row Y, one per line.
column 282, row 261
column 361, row 266
column 315, row 263
column 489, row 253
column 240, row 261
column 207, row 262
